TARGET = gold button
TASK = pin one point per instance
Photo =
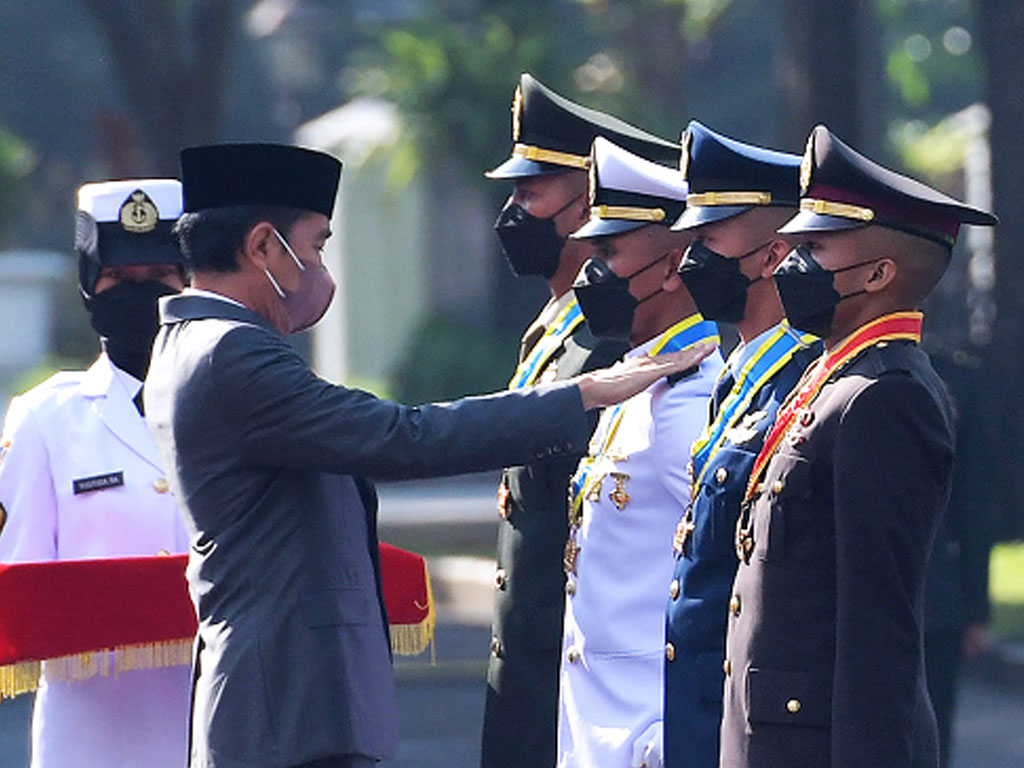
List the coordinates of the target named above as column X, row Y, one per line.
column 734, row 605
column 673, row 589
column 500, row 577
column 670, row 652
column 570, row 587
column 727, row 667
column 793, row 705
column 163, row 553
column 777, row 486
column 573, row 654
column 495, row 646
column 160, row 485
column 721, row 475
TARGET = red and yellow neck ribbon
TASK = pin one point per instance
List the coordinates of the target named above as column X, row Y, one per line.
column 897, row 326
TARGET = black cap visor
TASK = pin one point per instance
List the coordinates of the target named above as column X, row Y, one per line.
column 604, row 227
column 696, row 215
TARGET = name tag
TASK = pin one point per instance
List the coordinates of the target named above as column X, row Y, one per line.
column 98, row 482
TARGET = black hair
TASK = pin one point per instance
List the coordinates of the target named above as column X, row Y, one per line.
column 211, row 239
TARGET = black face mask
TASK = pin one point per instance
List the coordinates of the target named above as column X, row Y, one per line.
column 715, row 282
column 605, row 300
column 808, row 293
column 532, row 246
column 125, row 316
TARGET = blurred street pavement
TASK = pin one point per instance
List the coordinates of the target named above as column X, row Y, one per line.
column 441, row 702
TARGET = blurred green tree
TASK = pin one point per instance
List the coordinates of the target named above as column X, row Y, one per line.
column 174, row 60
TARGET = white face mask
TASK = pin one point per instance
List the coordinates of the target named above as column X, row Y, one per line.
column 306, row 305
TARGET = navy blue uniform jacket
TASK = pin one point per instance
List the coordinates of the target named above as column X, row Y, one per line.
column 703, row 575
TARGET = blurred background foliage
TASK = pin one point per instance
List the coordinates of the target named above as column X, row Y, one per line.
column 108, row 88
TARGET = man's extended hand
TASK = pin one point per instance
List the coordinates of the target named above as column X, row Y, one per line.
column 608, row 386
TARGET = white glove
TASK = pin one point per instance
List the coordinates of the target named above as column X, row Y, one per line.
column 647, row 749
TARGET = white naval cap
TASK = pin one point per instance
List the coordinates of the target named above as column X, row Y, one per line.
column 136, row 203
column 628, row 192
column 126, row 222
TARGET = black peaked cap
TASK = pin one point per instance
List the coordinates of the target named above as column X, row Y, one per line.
column 728, row 177
column 842, row 189
column 552, row 134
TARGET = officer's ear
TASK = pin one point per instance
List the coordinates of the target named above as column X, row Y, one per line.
column 882, row 275
column 773, row 255
column 672, row 281
column 255, row 245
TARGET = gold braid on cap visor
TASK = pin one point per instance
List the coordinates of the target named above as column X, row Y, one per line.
column 627, row 212
column 844, row 210
column 541, row 155
column 729, row 198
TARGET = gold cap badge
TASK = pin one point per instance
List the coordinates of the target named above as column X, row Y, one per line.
column 805, row 166
column 517, row 113
column 684, row 158
column 138, row 213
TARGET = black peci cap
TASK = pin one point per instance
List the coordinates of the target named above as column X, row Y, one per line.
column 551, row 134
column 220, row 175
column 842, row 189
column 728, row 177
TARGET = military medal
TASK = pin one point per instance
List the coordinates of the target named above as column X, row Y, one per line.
column 684, row 529
column 572, row 551
column 504, row 500
column 619, row 496
column 744, row 533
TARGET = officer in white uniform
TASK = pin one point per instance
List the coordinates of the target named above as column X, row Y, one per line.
column 80, row 477
column 631, row 488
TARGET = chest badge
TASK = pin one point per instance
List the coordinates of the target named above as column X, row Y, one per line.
column 746, row 430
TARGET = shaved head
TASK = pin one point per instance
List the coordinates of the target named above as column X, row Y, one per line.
column 920, row 262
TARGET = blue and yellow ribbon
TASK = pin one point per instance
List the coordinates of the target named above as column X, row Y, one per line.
column 683, row 335
column 530, row 368
column 769, row 358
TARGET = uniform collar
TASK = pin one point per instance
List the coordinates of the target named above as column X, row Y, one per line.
column 99, row 377
column 744, row 351
column 196, row 305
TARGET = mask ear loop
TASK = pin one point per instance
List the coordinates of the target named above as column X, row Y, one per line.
column 273, row 282
column 284, row 243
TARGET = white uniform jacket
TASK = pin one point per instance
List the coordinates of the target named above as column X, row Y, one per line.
column 80, row 478
column 614, row 635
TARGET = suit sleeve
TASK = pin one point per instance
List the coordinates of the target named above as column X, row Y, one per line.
column 26, row 490
column 284, row 415
column 893, row 457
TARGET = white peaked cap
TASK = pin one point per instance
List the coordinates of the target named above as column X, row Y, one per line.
column 620, row 169
column 103, row 200
column 628, row 192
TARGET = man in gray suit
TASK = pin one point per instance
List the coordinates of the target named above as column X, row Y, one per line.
column 267, row 459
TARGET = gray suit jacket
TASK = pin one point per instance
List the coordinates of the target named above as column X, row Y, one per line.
column 293, row 662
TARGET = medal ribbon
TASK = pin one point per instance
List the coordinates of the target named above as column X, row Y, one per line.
column 893, row 327
column 683, row 335
column 565, row 323
column 771, row 356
